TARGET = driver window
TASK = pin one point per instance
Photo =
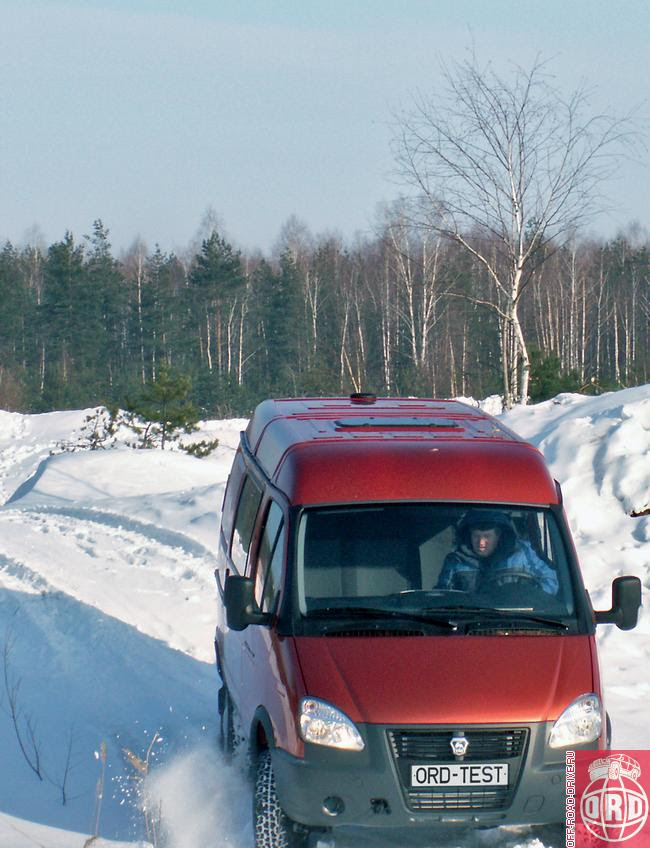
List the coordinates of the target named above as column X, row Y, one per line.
column 269, row 559
column 249, row 502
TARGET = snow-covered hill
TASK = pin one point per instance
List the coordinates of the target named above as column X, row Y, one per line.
column 107, row 618
column 599, row 450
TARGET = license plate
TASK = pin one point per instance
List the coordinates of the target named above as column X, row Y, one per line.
column 460, row 774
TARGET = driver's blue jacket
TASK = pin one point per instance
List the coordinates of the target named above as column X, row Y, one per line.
column 462, row 569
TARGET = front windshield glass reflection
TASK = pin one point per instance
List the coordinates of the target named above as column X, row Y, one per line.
column 432, row 557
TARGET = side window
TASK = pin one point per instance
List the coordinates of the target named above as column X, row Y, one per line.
column 230, row 497
column 269, row 559
column 249, row 502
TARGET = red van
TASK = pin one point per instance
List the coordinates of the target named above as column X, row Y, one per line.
column 404, row 638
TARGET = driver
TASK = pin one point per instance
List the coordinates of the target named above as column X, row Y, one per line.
column 488, row 550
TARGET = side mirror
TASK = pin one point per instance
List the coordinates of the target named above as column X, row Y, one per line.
column 626, row 600
column 239, row 600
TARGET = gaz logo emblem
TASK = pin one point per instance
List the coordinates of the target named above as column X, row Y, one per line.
column 459, row 745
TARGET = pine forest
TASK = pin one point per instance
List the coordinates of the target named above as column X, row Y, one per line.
column 402, row 312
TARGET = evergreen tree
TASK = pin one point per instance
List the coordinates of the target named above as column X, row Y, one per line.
column 215, row 281
column 165, row 406
column 283, row 324
column 59, row 324
column 16, row 331
column 165, row 318
column 547, row 379
column 102, row 318
column 276, row 315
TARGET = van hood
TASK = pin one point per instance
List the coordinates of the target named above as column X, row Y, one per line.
column 448, row 679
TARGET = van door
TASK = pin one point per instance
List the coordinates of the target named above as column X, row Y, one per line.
column 234, row 642
column 266, row 566
column 228, row 511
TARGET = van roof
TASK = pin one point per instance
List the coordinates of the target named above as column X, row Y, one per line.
column 340, row 450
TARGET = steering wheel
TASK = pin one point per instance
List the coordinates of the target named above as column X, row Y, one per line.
column 508, row 577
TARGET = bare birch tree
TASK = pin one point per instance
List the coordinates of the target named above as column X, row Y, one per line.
column 414, row 263
column 134, row 269
column 510, row 168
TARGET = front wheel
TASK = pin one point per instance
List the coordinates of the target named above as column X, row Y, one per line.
column 271, row 825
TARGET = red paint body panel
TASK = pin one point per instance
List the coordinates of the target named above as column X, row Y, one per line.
column 412, row 471
column 448, row 679
column 595, row 669
column 271, row 662
column 312, row 450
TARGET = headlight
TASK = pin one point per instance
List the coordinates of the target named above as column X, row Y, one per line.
column 323, row 724
column 580, row 723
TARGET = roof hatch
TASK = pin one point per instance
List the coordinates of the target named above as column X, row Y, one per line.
column 381, row 422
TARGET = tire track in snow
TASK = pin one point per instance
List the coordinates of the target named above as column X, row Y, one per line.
column 169, row 538
column 17, row 576
column 159, row 581
column 194, row 559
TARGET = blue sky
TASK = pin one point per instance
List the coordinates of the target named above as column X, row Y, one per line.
column 146, row 113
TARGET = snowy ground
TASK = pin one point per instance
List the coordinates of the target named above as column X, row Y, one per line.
column 107, row 610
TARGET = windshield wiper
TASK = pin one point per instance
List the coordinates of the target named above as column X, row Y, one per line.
column 375, row 613
column 503, row 615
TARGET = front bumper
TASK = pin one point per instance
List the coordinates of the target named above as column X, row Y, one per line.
column 372, row 784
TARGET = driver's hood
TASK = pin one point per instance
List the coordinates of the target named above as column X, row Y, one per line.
column 448, row 679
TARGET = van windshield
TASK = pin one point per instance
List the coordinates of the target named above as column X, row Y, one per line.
column 448, row 562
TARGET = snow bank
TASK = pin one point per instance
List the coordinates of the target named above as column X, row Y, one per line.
column 27, row 439
column 493, row 404
column 599, row 450
column 601, row 444
column 100, row 475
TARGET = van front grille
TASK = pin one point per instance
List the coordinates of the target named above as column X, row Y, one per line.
column 484, row 745
column 462, row 799
column 414, row 747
